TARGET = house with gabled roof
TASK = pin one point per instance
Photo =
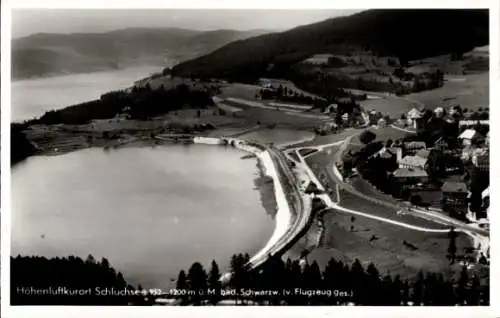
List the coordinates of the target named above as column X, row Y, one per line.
column 469, row 137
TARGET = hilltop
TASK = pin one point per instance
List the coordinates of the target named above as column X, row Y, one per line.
column 404, row 34
column 44, row 54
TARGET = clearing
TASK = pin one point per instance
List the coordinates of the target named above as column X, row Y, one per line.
column 384, row 245
column 469, row 91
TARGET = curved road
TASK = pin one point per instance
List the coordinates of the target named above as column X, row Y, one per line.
column 429, row 215
column 335, row 205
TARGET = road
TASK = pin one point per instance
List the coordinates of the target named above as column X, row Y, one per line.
column 334, row 205
column 335, row 176
column 403, row 129
column 429, row 215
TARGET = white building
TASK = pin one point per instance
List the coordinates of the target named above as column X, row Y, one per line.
column 413, row 116
column 414, row 162
column 319, row 59
column 382, row 122
column 439, row 112
column 468, row 137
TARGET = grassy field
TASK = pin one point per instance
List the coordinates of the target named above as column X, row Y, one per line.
column 354, row 202
column 383, row 134
column 237, row 90
column 274, row 117
column 382, row 244
column 226, row 131
column 366, row 188
column 328, row 139
column 321, row 161
column 386, row 133
column 190, row 117
column 393, row 106
column 469, row 91
column 276, row 135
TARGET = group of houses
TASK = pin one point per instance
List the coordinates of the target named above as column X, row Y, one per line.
column 416, row 160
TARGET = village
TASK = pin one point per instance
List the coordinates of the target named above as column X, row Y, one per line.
column 442, row 163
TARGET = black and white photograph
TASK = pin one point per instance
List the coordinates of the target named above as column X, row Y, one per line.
column 248, row 157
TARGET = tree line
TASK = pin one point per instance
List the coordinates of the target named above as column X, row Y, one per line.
column 139, row 103
column 289, row 282
column 301, row 284
column 286, row 94
column 20, row 146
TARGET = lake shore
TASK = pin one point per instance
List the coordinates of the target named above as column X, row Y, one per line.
column 121, row 132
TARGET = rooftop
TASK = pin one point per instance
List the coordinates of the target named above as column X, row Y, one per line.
column 409, row 173
column 454, row 186
column 414, row 113
column 468, row 134
column 414, row 144
column 413, row 161
column 319, row 58
column 386, row 155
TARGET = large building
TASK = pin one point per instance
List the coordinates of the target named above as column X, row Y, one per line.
column 413, row 162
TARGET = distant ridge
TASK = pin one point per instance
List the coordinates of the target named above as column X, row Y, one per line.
column 45, row 54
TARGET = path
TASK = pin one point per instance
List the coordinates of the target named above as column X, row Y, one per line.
column 403, row 129
column 334, row 205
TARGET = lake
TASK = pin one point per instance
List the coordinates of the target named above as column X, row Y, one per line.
column 150, row 211
column 33, row 97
